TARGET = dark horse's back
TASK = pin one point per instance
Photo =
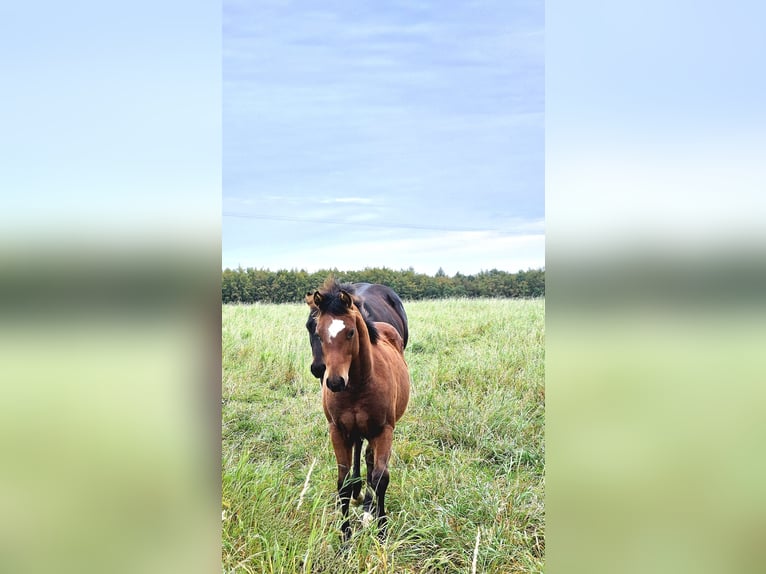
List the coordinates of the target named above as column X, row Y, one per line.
column 381, row 304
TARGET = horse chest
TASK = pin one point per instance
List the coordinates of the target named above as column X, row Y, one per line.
column 357, row 420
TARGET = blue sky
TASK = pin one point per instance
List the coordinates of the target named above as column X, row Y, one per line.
column 387, row 134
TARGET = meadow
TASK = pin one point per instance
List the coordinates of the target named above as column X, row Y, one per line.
column 468, row 464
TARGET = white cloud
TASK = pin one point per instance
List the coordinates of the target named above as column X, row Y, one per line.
column 467, row 252
column 357, row 200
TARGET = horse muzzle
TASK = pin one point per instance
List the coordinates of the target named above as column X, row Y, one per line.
column 317, row 369
column 336, row 384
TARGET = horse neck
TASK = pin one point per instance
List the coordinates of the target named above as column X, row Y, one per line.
column 363, row 363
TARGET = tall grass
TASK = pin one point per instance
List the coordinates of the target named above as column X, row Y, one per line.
column 468, row 455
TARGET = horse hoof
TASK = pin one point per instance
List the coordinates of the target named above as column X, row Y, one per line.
column 367, row 519
column 357, row 500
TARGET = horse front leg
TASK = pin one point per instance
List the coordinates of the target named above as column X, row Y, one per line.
column 381, row 452
column 369, row 489
column 342, row 449
column 356, row 476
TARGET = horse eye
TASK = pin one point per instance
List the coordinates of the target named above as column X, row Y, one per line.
column 350, row 334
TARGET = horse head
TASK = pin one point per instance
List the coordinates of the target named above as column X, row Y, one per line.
column 336, row 329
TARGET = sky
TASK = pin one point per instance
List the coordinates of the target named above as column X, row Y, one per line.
column 397, row 134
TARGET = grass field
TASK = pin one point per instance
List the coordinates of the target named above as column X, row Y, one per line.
column 468, row 457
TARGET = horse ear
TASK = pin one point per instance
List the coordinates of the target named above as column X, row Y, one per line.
column 310, row 299
column 346, row 298
column 317, row 298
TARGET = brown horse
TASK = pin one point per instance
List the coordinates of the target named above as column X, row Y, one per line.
column 366, row 387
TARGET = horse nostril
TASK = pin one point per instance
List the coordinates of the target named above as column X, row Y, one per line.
column 336, row 384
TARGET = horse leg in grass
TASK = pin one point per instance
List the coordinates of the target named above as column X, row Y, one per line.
column 381, row 448
column 343, row 457
column 370, row 489
column 356, row 476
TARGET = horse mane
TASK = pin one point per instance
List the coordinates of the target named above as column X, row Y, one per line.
column 332, row 303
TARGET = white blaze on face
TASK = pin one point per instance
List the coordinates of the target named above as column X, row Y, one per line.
column 335, row 327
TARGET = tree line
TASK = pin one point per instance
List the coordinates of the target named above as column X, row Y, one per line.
column 261, row 285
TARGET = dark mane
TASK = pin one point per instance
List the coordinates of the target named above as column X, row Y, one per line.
column 332, row 303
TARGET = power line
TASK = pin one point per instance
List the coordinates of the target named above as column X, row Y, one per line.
column 359, row 223
column 362, row 223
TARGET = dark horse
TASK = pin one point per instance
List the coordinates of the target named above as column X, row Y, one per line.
column 366, row 388
column 376, row 302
